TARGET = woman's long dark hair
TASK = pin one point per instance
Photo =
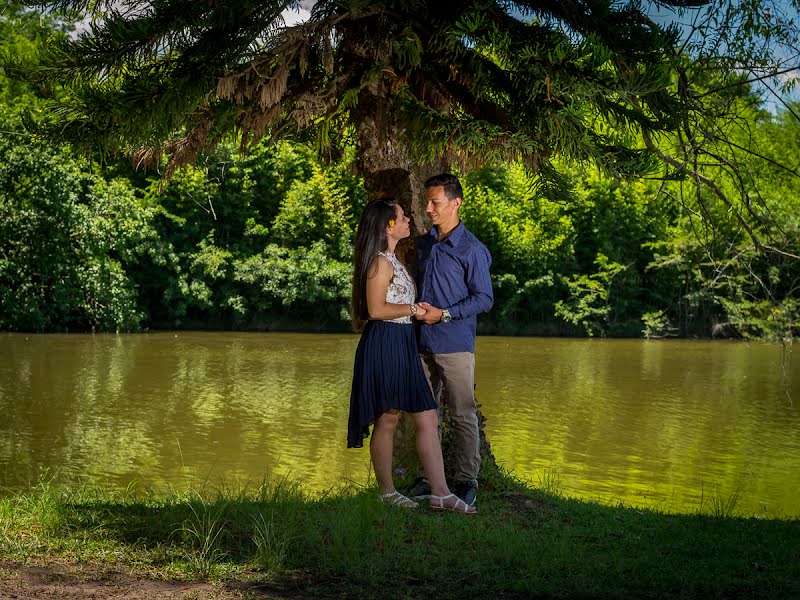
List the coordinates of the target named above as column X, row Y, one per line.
column 370, row 239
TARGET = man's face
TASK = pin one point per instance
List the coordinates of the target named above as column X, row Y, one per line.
column 441, row 210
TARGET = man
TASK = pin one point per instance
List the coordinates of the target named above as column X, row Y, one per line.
column 454, row 286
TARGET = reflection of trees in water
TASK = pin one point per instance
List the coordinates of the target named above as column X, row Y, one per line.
column 647, row 423
column 166, row 407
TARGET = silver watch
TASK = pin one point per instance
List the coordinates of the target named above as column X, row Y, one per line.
column 446, row 318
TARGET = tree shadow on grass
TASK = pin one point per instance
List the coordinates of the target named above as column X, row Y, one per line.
column 283, row 542
column 276, row 541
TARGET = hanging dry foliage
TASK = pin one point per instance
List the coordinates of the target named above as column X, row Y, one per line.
column 182, row 151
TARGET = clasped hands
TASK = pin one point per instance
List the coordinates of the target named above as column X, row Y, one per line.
column 427, row 313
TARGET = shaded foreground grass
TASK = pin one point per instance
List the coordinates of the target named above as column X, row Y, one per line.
column 525, row 543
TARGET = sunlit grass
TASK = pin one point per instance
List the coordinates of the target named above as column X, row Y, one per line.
column 720, row 504
column 550, row 482
column 271, row 545
column 202, row 534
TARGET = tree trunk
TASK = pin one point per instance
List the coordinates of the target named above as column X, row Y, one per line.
column 384, row 162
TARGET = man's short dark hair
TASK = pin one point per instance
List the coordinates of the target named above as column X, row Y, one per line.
column 450, row 183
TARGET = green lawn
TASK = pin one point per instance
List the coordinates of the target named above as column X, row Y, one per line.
column 525, row 542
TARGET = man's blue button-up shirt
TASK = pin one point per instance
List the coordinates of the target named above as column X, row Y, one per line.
column 453, row 274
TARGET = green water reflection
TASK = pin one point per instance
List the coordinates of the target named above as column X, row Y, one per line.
column 647, row 423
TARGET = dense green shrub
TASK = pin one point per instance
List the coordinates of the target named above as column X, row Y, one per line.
column 70, row 243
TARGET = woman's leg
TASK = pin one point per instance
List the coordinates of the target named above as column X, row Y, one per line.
column 380, row 449
column 429, row 449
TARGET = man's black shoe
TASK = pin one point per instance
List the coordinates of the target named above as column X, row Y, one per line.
column 467, row 491
column 421, row 489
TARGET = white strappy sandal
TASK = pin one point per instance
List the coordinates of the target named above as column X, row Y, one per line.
column 395, row 498
column 437, row 503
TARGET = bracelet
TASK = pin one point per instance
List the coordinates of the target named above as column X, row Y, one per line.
column 413, row 309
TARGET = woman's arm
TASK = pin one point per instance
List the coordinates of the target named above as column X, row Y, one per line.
column 379, row 275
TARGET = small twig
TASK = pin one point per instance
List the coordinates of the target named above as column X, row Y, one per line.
column 755, row 79
column 709, row 183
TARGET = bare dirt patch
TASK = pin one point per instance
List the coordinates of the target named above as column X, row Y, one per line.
column 72, row 581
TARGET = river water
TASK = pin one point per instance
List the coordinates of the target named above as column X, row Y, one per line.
column 675, row 425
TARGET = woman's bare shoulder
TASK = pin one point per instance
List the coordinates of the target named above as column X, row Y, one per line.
column 380, row 266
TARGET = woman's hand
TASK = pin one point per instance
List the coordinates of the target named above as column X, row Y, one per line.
column 432, row 314
column 420, row 312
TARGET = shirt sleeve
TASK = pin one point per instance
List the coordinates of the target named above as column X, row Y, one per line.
column 480, row 297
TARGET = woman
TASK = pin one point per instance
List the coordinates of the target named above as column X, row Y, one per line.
column 388, row 376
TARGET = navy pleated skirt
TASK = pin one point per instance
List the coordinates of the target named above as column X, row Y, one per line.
column 387, row 375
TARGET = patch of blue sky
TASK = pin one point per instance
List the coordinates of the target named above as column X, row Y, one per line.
column 776, row 83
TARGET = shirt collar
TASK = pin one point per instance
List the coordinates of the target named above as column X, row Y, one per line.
column 455, row 236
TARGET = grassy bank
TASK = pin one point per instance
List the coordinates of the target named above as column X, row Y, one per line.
column 524, row 543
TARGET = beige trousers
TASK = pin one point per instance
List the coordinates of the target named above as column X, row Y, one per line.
column 452, row 380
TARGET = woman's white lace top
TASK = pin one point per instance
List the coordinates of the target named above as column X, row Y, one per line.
column 401, row 288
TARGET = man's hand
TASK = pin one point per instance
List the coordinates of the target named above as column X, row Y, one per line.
column 432, row 314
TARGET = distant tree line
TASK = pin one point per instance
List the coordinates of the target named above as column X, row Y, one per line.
column 264, row 241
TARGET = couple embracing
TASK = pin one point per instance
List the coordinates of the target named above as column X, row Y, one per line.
column 398, row 369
